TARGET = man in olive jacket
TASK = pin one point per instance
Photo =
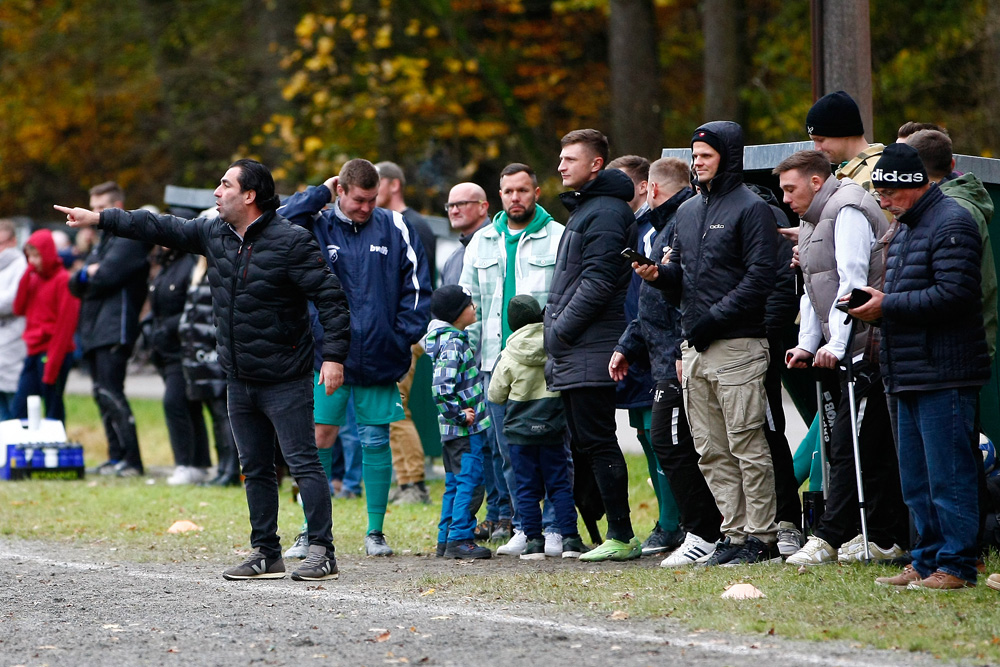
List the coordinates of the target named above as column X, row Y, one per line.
column 263, row 271
column 585, row 316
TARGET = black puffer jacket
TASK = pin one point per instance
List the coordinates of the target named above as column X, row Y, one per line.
column 932, row 317
column 658, row 327
column 260, row 287
column 724, row 252
column 585, row 313
column 110, row 300
column 167, row 293
column 203, row 375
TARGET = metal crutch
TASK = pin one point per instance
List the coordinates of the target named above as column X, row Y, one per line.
column 855, row 439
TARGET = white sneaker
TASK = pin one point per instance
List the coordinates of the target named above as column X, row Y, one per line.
column 790, row 538
column 854, row 551
column 817, row 551
column 197, row 475
column 301, row 547
column 179, row 476
column 553, row 545
column 692, row 550
column 516, row 545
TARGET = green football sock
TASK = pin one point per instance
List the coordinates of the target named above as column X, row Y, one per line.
column 377, row 473
column 326, row 460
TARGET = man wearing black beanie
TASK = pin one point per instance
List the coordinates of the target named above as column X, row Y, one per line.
column 934, row 360
column 835, row 127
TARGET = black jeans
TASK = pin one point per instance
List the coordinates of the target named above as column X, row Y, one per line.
column 786, row 487
column 671, row 439
column 887, row 515
column 262, row 414
column 107, row 371
column 590, row 416
column 185, row 420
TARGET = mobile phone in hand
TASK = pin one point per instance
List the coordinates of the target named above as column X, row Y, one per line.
column 859, row 297
column 633, row 256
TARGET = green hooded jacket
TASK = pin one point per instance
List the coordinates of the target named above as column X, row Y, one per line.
column 968, row 191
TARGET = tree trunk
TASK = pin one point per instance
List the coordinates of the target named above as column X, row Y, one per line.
column 847, row 54
column 636, row 119
column 721, row 26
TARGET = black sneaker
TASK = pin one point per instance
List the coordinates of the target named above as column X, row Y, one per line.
column 660, row 541
column 573, row 547
column 256, row 566
column 441, row 547
column 755, row 551
column 317, row 566
column 466, row 550
column 725, row 551
column 484, row 530
column 502, row 531
column 534, row 549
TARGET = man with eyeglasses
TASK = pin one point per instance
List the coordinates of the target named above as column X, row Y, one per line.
column 935, row 360
column 516, row 254
column 468, row 211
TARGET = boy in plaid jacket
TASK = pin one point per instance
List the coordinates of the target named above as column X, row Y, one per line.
column 458, row 394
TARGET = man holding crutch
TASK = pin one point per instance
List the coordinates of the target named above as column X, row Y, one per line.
column 838, row 251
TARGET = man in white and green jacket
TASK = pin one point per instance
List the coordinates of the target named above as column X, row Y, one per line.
column 514, row 255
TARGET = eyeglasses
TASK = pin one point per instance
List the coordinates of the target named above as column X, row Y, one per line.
column 456, row 204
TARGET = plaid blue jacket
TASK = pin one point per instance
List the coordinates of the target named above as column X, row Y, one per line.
column 457, row 384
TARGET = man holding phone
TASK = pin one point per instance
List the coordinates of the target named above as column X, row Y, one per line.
column 838, row 251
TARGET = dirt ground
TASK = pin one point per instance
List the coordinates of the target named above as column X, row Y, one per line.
column 64, row 605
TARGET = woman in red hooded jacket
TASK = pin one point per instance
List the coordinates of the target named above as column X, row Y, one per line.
column 50, row 314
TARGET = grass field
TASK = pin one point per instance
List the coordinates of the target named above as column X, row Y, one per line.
column 128, row 520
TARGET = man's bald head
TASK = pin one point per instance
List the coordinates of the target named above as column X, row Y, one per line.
column 467, row 207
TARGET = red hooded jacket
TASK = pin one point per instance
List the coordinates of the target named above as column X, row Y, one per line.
column 50, row 311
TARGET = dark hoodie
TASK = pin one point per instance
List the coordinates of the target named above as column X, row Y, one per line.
column 50, row 311
column 585, row 312
column 724, row 252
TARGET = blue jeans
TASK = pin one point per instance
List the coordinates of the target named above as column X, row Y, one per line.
column 463, row 463
column 938, row 476
column 542, row 471
column 497, row 415
column 347, row 453
column 261, row 415
column 30, row 384
column 499, row 504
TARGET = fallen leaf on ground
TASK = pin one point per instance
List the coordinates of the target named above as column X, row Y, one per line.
column 619, row 615
column 384, row 637
column 743, row 592
column 429, row 591
column 183, row 526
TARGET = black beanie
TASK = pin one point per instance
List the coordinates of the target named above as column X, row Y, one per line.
column 899, row 167
column 835, row 115
column 523, row 310
column 712, row 139
column 448, row 302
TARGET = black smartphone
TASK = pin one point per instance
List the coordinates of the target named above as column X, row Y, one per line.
column 633, row 256
column 859, row 297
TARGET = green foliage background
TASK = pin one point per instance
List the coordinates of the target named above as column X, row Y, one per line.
column 155, row 92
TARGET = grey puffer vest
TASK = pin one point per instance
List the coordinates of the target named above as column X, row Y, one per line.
column 817, row 250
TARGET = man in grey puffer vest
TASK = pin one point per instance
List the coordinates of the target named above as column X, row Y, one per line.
column 839, row 251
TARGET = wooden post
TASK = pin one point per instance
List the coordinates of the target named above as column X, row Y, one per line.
column 847, row 54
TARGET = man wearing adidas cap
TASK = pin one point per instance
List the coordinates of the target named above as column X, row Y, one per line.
column 934, row 359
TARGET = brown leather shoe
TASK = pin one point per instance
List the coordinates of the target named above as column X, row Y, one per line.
column 901, row 580
column 941, row 581
column 994, row 582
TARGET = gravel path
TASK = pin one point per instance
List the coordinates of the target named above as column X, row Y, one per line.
column 69, row 606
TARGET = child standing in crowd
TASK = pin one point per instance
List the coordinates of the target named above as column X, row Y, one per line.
column 458, row 394
column 535, row 427
column 50, row 314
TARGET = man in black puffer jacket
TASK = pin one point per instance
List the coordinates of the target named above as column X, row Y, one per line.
column 934, row 359
column 263, row 271
column 584, row 317
column 721, row 269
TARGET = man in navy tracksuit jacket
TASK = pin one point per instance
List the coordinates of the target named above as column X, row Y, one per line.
column 384, row 271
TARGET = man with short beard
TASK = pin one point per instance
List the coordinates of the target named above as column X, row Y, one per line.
column 514, row 255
